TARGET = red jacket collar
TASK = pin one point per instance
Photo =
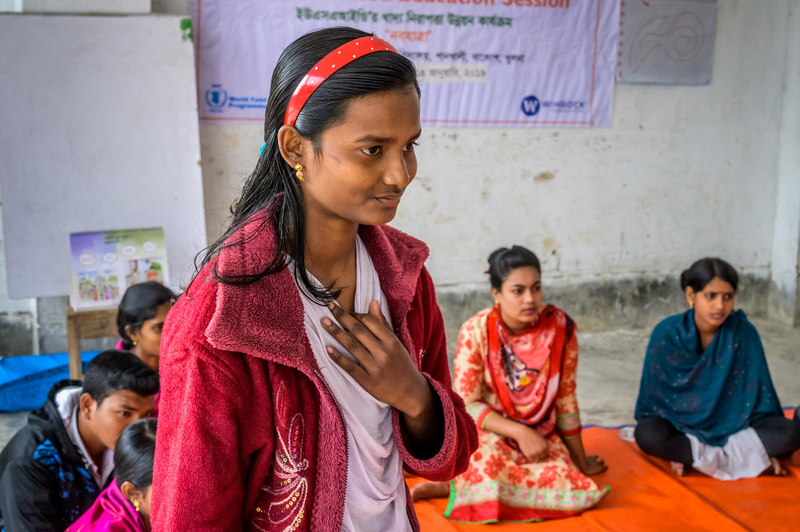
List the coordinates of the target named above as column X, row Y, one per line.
column 265, row 318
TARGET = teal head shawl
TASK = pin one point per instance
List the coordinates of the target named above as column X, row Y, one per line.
column 713, row 393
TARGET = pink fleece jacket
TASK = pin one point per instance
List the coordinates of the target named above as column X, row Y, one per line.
column 249, row 436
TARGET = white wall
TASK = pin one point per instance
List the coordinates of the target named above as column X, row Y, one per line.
column 95, row 142
column 79, row 6
column 17, row 316
column 7, row 305
column 25, row 322
column 683, row 172
column 11, row 5
column 786, row 242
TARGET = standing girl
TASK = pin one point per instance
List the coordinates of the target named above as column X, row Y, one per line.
column 306, row 365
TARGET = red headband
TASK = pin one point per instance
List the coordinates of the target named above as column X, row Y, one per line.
column 345, row 54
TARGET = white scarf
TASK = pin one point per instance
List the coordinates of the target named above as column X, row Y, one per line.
column 375, row 499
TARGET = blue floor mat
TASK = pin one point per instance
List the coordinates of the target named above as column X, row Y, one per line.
column 25, row 380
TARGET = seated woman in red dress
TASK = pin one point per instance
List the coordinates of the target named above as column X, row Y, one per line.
column 515, row 367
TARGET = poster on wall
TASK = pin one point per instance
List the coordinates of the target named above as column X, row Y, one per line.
column 669, row 42
column 106, row 263
column 481, row 63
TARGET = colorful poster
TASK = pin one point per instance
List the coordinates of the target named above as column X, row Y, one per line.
column 105, row 263
column 482, row 63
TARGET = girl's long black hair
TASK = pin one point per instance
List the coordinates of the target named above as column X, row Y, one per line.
column 134, row 454
column 705, row 270
column 503, row 261
column 139, row 304
column 272, row 188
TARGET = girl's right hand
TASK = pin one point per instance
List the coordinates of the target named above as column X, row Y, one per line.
column 532, row 445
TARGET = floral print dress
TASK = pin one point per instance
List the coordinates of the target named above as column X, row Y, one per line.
column 500, row 483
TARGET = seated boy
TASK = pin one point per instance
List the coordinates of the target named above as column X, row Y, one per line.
column 54, row 468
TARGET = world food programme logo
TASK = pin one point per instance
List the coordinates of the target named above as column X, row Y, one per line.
column 530, row 105
column 216, row 98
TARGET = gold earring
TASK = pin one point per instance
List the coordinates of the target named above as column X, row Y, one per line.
column 299, row 171
column 691, row 304
column 134, row 342
column 136, row 505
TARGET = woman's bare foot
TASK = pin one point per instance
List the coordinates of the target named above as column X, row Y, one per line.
column 775, row 468
column 594, row 466
column 678, row 468
column 430, row 490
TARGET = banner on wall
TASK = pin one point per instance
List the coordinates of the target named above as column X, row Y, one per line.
column 481, row 63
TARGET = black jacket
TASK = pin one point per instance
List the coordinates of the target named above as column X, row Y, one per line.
column 44, row 483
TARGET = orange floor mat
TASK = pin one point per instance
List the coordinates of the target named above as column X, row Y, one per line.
column 646, row 496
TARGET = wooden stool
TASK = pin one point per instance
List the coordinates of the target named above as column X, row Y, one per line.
column 83, row 326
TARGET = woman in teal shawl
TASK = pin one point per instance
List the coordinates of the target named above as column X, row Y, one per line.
column 706, row 397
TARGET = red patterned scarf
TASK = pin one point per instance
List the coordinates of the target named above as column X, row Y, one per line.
column 525, row 367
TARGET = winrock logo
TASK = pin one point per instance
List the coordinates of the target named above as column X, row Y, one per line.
column 531, row 105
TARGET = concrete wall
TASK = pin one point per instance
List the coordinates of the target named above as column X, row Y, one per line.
column 785, row 292
column 17, row 316
column 682, row 172
column 615, row 214
column 174, row 7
